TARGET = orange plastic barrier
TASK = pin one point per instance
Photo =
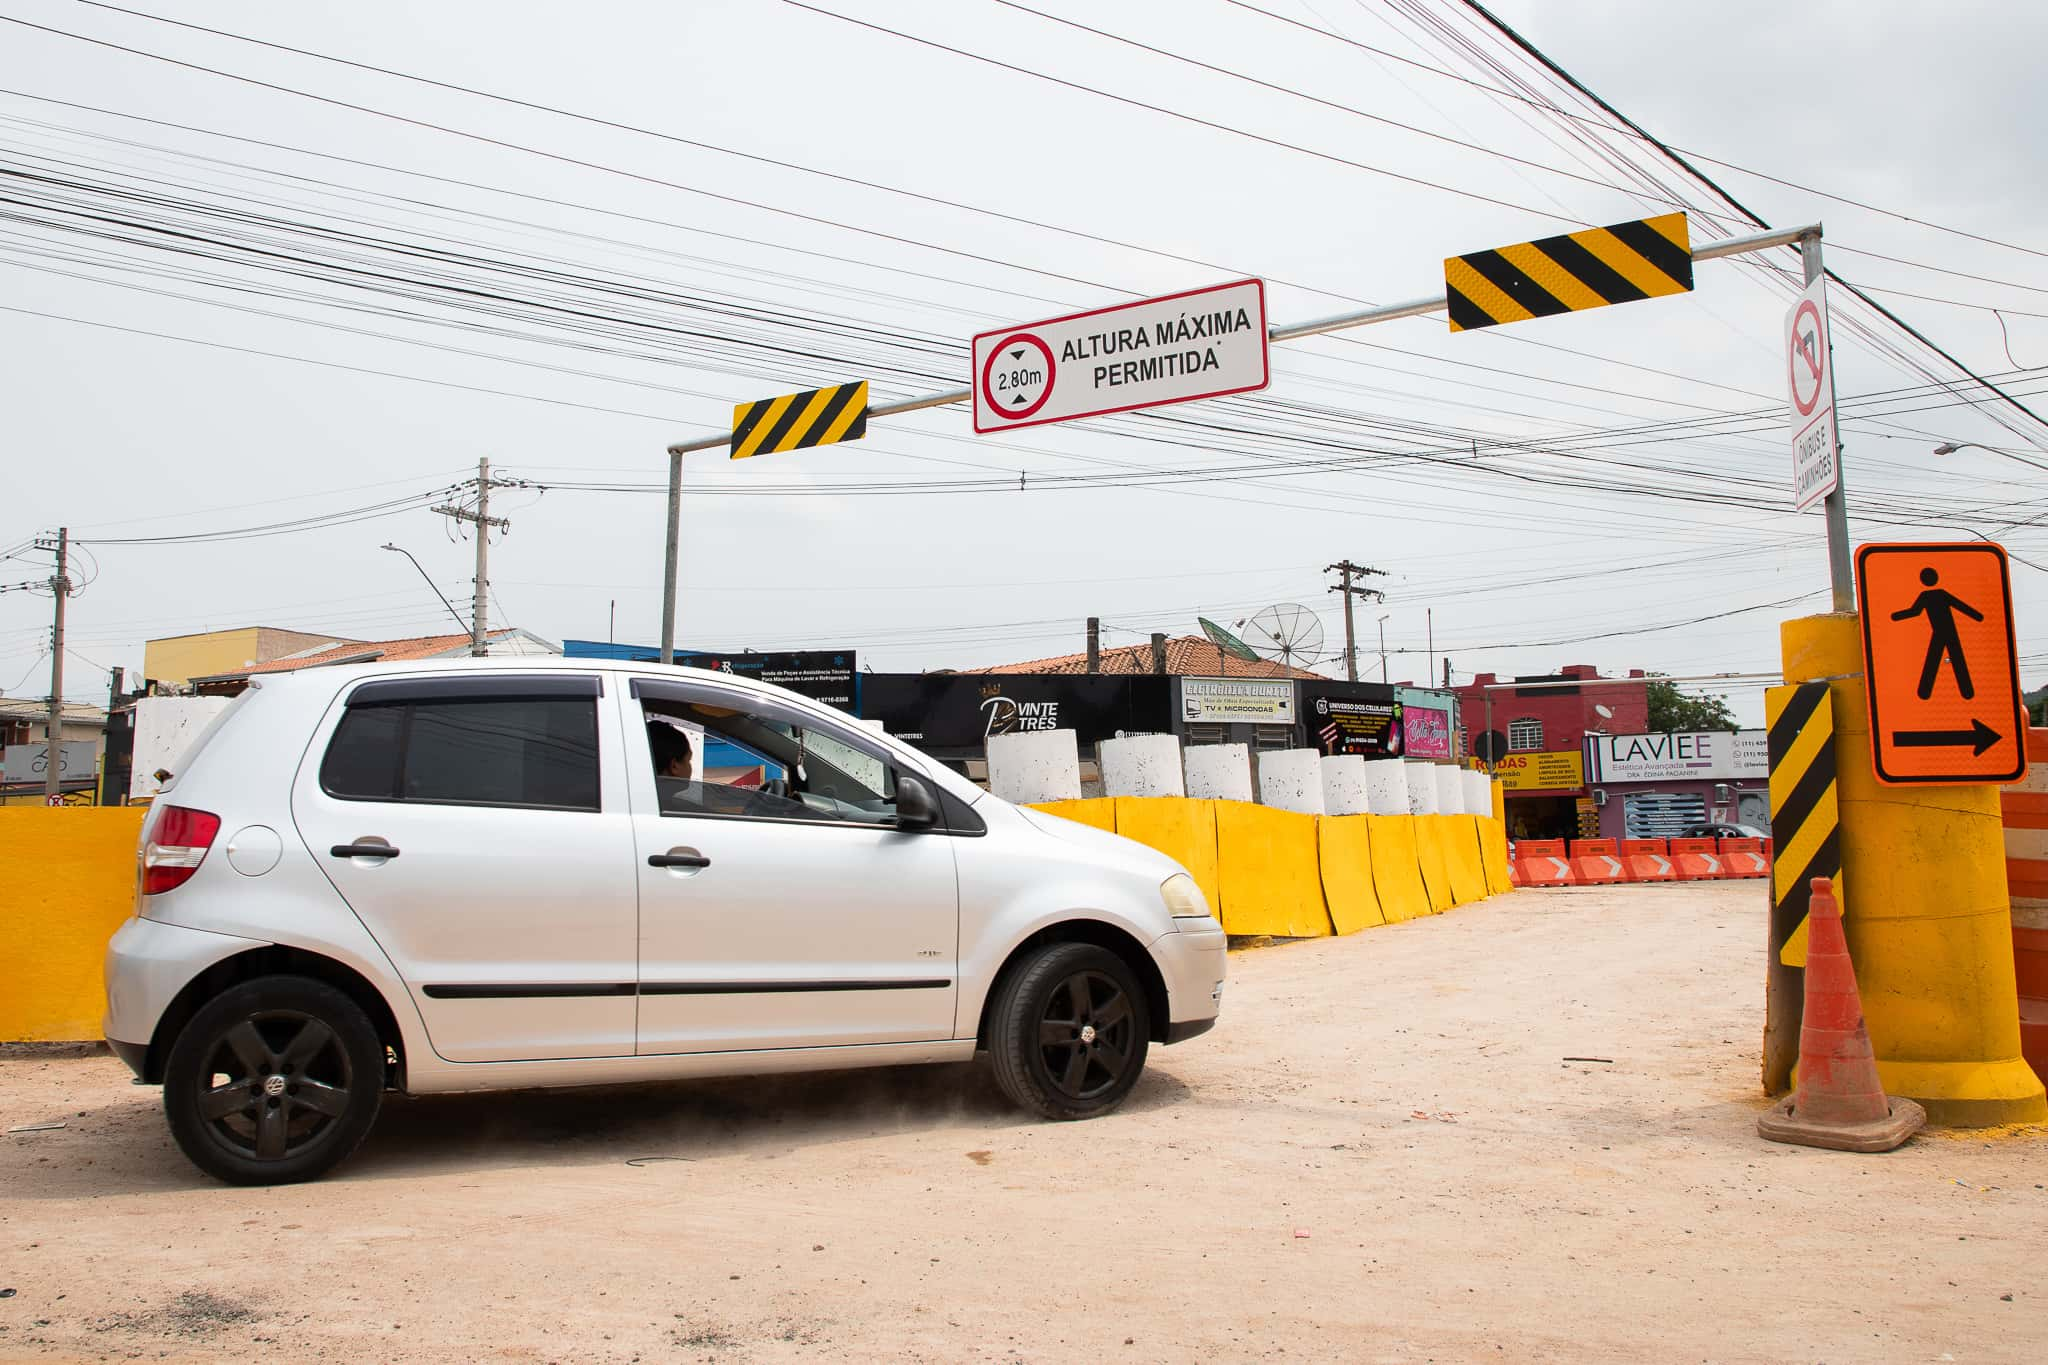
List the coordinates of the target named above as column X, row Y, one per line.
column 1745, row 858
column 1698, row 860
column 2026, row 875
column 1597, row 862
column 1542, row 862
column 1648, row 860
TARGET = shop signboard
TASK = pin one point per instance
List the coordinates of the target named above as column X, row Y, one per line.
column 957, row 712
column 1353, row 718
column 1550, row 770
column 1237, row 701
column 24, row 763
column 1703, row 756
column 1426, row 732
column 825, row 675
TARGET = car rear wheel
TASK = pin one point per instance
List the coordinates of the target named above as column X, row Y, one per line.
column 273, row 1081
column 1068, row 1031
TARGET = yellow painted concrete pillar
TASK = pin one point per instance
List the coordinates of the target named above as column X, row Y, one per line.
column 1930, row 926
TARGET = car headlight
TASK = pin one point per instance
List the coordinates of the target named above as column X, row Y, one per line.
column 1184, row 900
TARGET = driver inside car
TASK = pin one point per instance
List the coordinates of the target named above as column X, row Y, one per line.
column 679, row 791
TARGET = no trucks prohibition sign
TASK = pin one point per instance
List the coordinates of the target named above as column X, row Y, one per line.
column 1200, row 344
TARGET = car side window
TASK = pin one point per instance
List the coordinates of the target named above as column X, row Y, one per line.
column 533, row 751
column 761, row 764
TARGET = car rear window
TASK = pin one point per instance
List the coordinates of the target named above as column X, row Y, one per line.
column 514, row 751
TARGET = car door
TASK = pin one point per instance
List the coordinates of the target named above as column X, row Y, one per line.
column 507, row 902
column 779, row 905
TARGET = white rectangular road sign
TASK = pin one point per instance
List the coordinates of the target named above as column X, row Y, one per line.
column 1200, row 344
column 1810, row 373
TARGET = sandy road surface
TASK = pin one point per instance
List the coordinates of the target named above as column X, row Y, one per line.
column 1380, row 1155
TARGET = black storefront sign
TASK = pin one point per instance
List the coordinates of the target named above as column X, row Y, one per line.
column 953, row 714
column 1351, row 718
column 825, row 675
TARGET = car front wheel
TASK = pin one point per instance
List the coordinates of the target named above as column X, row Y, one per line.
column 1068, row 1031
column 273, row 1081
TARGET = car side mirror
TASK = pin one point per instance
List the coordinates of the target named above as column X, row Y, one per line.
column 916, row 811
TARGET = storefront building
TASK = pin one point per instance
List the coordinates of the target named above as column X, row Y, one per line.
column 1656, row 786
column 1532, row 732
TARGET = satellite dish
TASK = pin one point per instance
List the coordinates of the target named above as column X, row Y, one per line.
column 1603, row 712
column 1227, row 642
column 1286, row 633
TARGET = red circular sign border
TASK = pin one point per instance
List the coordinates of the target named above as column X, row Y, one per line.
column 1051, row 370
column 1820, row 335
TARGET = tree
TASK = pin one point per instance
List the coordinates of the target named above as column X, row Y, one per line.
column 1671, row 709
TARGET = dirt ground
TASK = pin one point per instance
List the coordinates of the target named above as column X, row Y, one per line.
column 1382, row 1154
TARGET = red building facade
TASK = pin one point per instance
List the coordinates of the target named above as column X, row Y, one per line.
column 1532, row 731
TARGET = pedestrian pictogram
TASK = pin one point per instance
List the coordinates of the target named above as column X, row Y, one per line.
column 815, row 417
column 1200, row 344
column 1810, row 384
column 1939, row 663
column 1648, row 258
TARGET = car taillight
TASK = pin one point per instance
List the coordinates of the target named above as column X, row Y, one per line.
column 176, row 847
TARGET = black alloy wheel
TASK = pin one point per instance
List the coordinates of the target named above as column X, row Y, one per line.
column 1084, row 1037
column 274, row 1081
column 1069, row 1027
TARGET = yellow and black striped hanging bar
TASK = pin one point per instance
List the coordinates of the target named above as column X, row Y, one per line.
column 815, row 417
column 1645, row 259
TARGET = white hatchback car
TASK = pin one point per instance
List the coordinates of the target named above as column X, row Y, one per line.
column 492, row 874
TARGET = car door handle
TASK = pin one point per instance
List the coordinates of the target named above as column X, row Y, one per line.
column 677, row 860
column 363, row 850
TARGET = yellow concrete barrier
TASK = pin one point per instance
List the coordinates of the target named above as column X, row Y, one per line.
column 1397, row 867
column 1183, row 829
column 1098, row 812
column 1931, row 934
column 1344, row 849
column 67, row 880
column 1267, row 871
column 1493, row 853
column 1461, row 857
column 1436, row 874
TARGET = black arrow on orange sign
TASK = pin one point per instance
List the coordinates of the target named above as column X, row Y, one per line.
column 1979, row 737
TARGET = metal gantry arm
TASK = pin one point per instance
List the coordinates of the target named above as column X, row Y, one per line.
column 1807, row 237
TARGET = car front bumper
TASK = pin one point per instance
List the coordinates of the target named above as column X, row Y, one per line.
column 1194, row 960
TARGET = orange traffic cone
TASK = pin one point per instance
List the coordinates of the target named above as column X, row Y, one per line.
column 1840, row 1102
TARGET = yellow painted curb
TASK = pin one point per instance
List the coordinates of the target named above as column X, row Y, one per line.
column 1436, row 873
column 67, row 881
column 1182, row 828
column 1397, row 867
column 1267, row 872
column 1344, row 850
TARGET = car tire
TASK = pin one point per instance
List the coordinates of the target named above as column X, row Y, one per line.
column 1068, row 1031
column 273, row 1081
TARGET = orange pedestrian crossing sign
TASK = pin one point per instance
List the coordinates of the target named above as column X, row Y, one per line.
column 1939, row 663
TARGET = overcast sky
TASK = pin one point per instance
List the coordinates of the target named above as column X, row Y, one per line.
column 1075, row 196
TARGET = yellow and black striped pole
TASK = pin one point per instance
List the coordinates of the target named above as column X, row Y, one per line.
column 1806, row 840
column 1645, row 259
column 794, row 421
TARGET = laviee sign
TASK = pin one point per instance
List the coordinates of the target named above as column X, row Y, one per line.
column 1708, row 756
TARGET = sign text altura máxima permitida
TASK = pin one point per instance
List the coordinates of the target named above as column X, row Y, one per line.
column 1200, row 344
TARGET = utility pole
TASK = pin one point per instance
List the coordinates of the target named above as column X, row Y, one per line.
column 1383, row 649
column 1347, row 569
column 60, row 588
column 479, row 615
column 1095, row 644
column 1835, row 509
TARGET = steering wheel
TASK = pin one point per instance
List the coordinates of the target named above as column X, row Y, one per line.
column 775, row 788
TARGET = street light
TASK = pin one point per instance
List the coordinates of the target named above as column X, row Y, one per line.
column 430, row 583
column 1383, row 648
column 1951, row 447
